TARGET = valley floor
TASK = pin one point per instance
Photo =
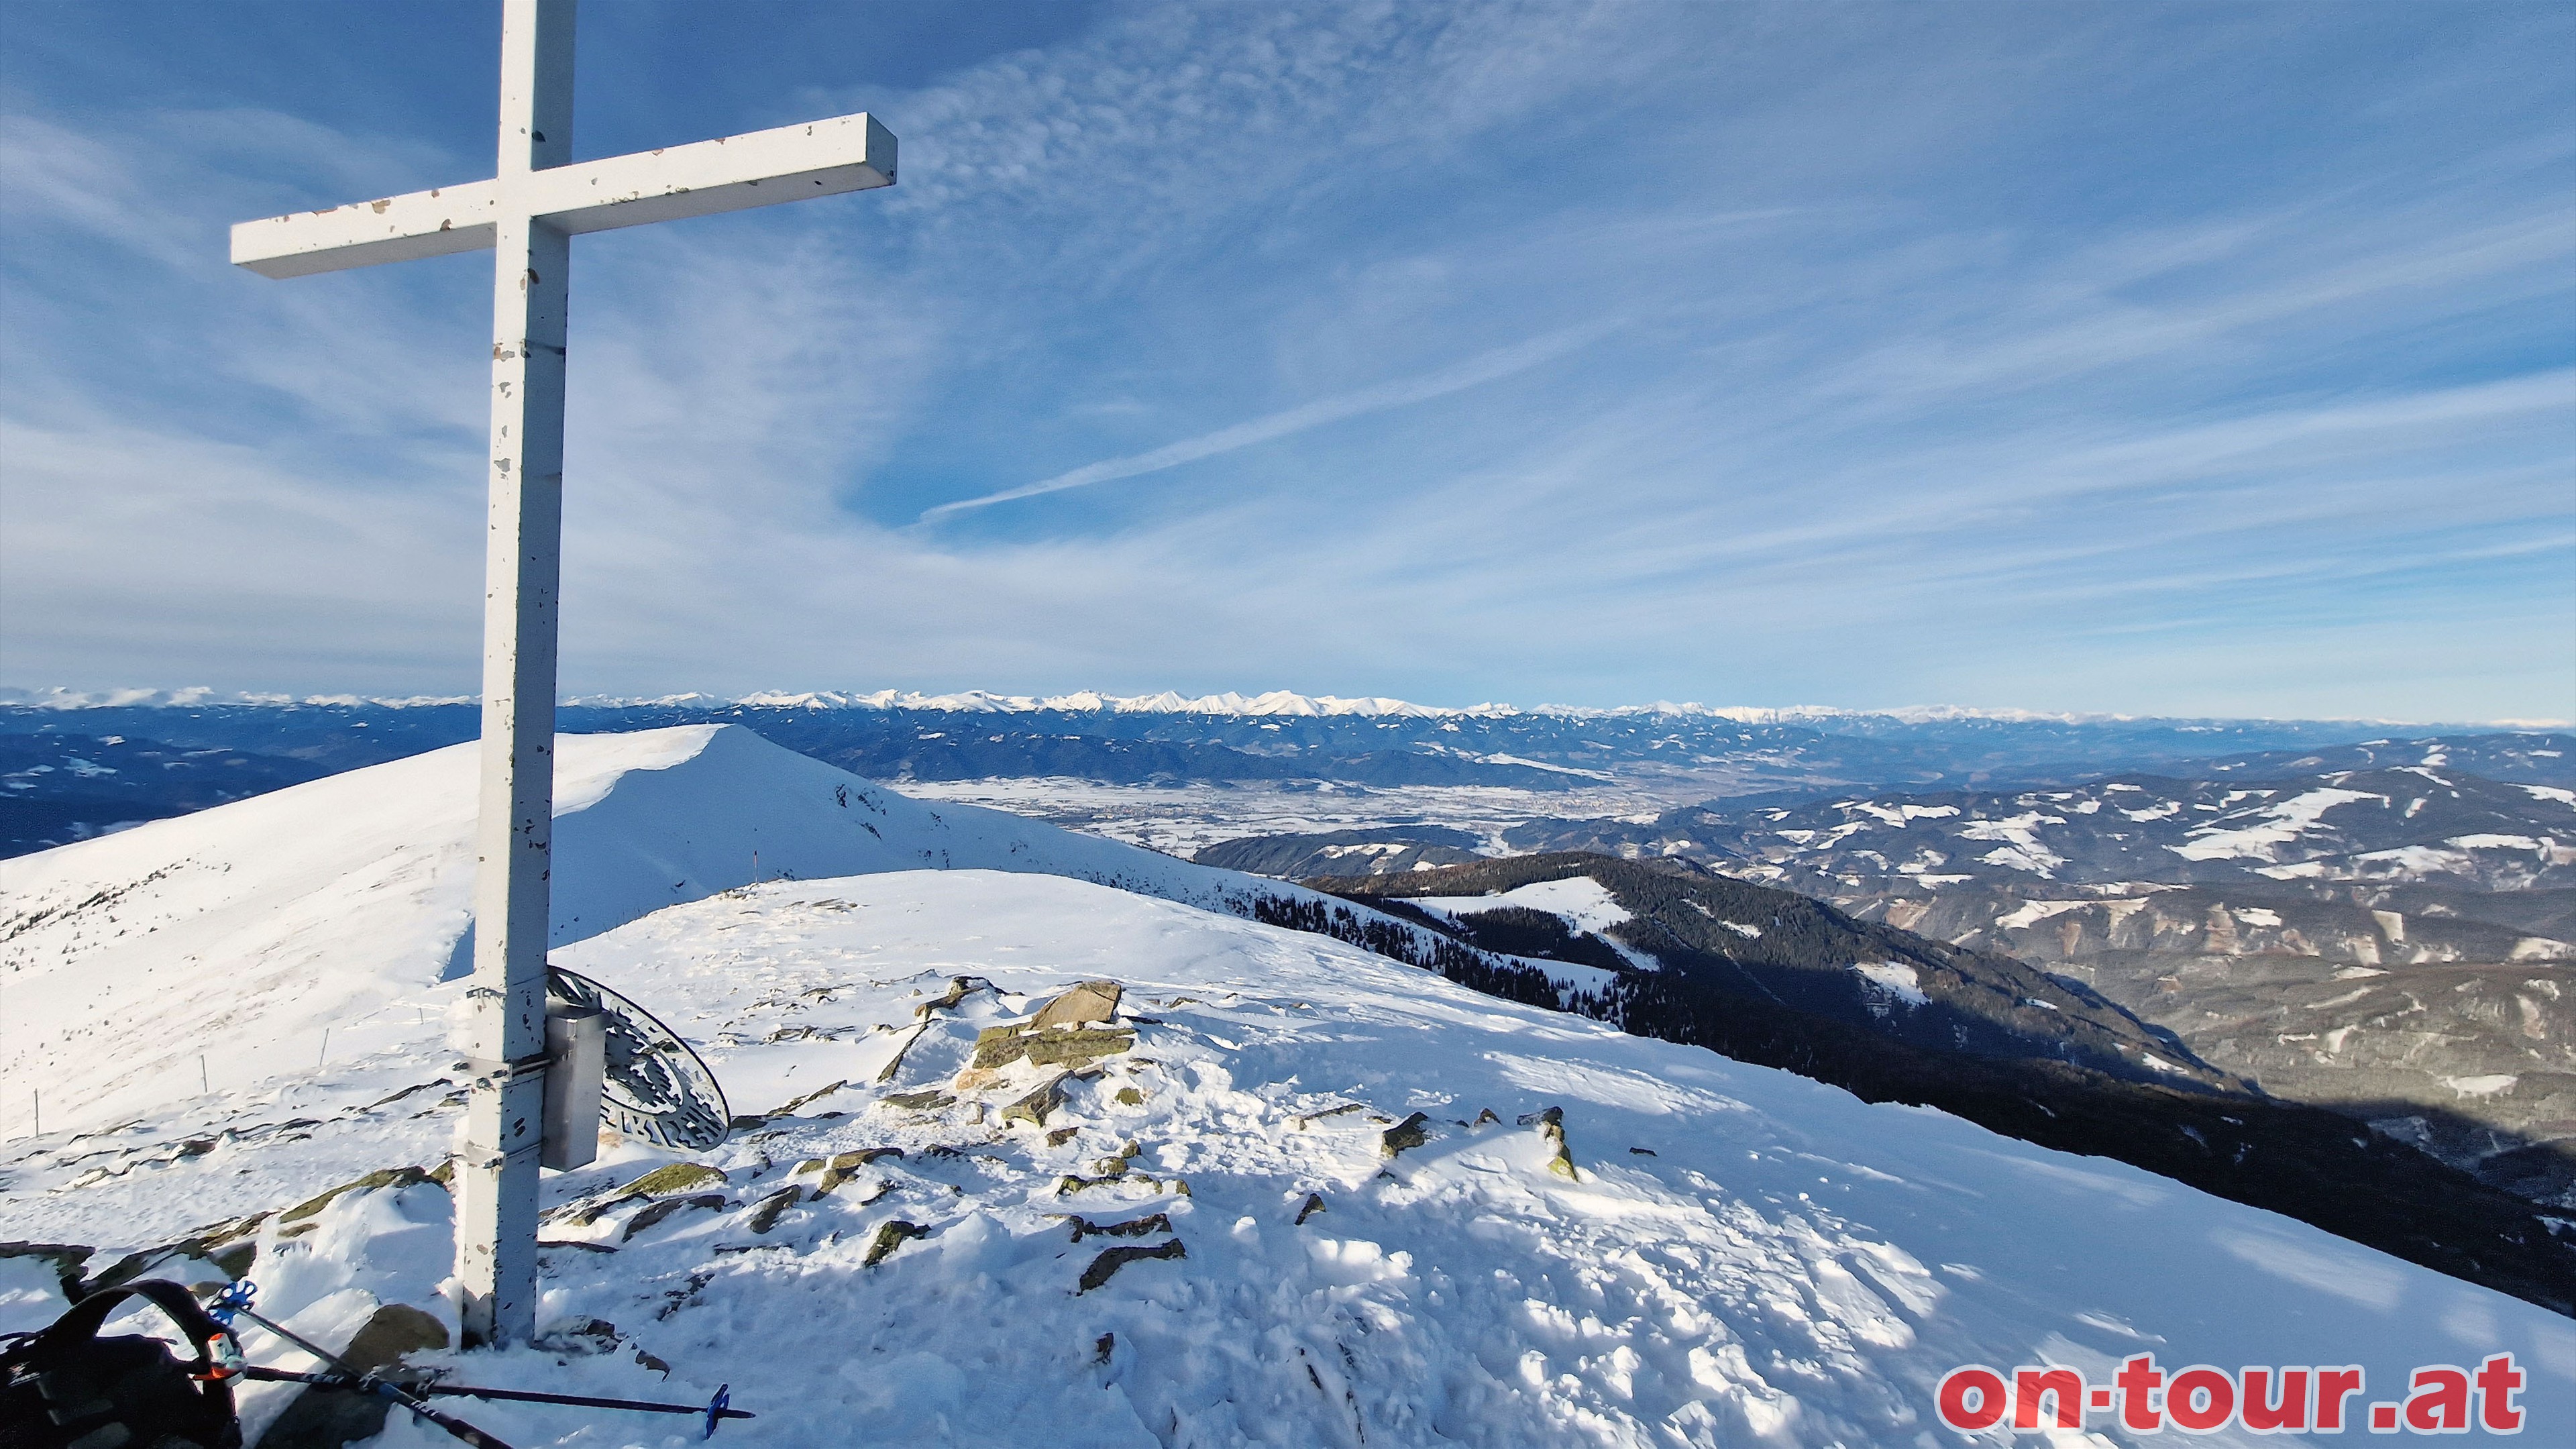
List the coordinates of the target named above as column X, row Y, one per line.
column 1183, row 819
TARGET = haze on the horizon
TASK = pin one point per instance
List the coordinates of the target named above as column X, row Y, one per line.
column 2185, row 360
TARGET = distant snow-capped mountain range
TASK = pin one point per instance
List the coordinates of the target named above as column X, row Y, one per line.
column 1275, row 703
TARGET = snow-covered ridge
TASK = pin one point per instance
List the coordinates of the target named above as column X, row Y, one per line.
column 331, row 912
column 1275, row 703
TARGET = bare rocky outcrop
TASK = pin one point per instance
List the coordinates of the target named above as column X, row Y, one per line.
column 1106, row 1266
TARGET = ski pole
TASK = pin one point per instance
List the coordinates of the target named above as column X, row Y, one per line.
column 236, row 1300
column 712, row 1410
column 716, row 1408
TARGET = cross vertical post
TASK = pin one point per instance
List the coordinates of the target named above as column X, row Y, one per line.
column 528, row 213
column 496, row 1207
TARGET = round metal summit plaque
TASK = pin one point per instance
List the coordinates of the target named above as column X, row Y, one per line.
column 654, row 1086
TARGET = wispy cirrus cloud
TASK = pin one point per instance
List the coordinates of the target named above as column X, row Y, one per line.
column 1486, row 367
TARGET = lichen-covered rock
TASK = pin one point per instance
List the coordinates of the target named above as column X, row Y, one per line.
column 373, row 1181
column 678, row 1177
column 894, row 1063
column 890, row 1235
column 1314, row 1204
column 1071, row 1183
column 999, row 1046
column 654, row 1212
column 845, row 1161
column 320, row 1419
column 1311, row 1118
column 765, row 1213
column 1406, row 1135
column 1086, row 1003
column 395, row 1330
column 578, row 1335
column 837, row 1168
column 583, row 1214
column 1034, row 1107
column 813, row 1096
column 1079, row 1047
column 1550, row 1122
column 64, row 1258
column 1132, row 1228
column 959, row 987
column 174, row 1261
column 1112, row 1259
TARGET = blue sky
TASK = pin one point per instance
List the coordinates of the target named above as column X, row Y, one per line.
column 2161, row 358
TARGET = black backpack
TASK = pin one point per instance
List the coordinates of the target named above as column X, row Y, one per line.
column 67, row 1388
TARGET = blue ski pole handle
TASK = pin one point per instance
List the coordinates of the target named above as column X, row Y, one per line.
column 235, row 1300
column 716, row 1409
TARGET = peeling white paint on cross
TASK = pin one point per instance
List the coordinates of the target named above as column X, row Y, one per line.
column 528, row 214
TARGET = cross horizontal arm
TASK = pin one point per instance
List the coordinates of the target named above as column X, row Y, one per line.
column 395, row 229
column 760, row 168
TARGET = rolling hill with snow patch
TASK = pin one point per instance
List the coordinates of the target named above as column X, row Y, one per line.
column 2377, row 928
column 2409, row 824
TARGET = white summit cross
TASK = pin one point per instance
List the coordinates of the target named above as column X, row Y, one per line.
column 528, row 215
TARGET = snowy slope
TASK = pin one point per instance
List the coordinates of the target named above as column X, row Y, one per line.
column 246, row 931
column 1584, row 904
column 1788, row 1266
